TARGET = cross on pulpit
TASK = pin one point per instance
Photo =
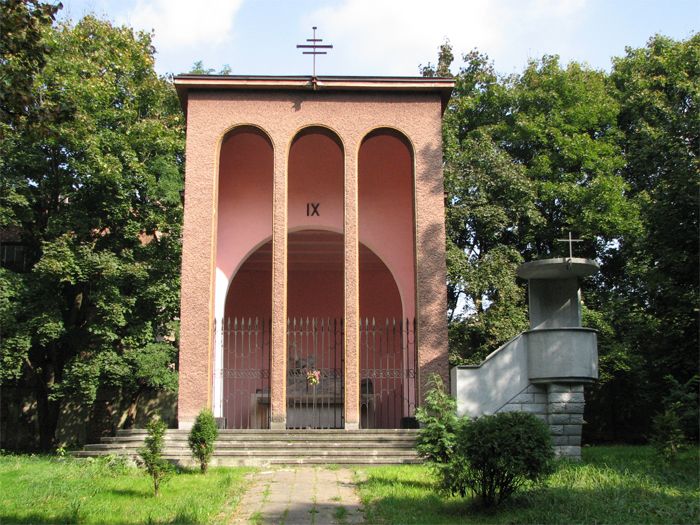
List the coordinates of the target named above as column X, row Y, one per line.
column 571, row 242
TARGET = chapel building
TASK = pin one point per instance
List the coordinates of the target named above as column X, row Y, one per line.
column 313, row 270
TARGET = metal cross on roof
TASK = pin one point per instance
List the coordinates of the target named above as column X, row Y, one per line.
column 571, row 244
column 314, row 46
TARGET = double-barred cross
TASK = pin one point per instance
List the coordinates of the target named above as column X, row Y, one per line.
column 314, row 46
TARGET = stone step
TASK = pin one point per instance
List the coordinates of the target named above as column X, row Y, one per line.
column 261, row 445
column 265, row 447
column 281, row 436
column 261, row 460
column 290, row 434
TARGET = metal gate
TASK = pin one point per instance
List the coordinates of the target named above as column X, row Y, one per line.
column 246, row 373
column 315, row 364
column 388, row 364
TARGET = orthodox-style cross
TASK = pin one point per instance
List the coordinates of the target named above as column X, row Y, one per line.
column 571, row 244
column 314, row 46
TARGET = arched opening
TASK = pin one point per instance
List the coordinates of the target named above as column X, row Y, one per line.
column 243, row 306
column 315, row 280
column 386, row 223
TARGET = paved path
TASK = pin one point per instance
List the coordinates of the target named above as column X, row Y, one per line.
column 300, row 495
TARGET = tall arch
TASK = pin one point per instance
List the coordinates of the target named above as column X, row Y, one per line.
column 315, row 279
column 244, row 220
column 386, row 222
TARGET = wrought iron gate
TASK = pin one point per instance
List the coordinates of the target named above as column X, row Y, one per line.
column 388, row 364
column 315, row 364
column 246, row 373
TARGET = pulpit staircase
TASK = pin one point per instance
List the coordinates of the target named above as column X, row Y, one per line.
column 275, row 447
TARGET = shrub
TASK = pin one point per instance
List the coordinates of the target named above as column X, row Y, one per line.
column 438, row 419
column 152, row 454
column 677, row 422
column 667, row 438
column 494, row 455
column 202, row 437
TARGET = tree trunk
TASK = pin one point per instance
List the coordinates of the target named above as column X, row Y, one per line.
column 132, row 410
column 48, row 412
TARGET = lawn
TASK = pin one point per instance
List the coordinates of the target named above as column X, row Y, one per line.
column 45, row 489
column 620, row 484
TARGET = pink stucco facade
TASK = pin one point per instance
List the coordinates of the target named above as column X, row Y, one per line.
column 381, row 195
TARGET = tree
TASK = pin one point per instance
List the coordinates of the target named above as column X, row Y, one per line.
column 202, row 437
column 650, row 286
column 22, row 54
column 527, row 158
column 489, row 202
column 96, row 195
column 612, row 158
column 152, row 454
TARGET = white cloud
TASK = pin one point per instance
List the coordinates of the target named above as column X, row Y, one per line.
column 185, row 23
column 394, row 36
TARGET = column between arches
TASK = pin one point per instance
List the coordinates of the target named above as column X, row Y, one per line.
column 352, row 292
column 278, row 365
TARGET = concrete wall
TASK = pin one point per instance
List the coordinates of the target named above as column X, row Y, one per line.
column 485, row 388
column 539, row 372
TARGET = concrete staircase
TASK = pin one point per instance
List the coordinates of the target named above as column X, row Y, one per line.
column 275, row 447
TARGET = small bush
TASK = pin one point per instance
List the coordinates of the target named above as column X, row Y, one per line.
column 494, row 455
column 667, row 438
column 438, row 419
column 152, row 454
column 202, row 437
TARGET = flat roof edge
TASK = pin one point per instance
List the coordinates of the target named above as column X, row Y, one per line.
column 185, row 83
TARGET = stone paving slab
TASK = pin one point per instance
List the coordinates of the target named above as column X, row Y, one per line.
column 300, row 495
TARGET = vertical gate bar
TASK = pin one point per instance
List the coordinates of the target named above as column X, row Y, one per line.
column 324, row 361
column 306, row 346
column 407, row 405
column 258, row 372
column 232, row 368
column 239, row 371
column 237, row 366
column 376, row 377
column 226, row 383
column 396, row 367
column 335, row 371
column 414, row 372
column 363, row 372
column 409, row 358
column 342, row 365
column 269, row 372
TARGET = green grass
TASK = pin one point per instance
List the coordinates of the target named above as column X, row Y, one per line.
column 44, row 489
column 620, row 484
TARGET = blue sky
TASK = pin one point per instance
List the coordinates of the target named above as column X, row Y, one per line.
column 389, row 37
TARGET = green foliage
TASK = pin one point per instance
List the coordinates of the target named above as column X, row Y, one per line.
column 495, row 455
column 152, row 455
column 438, row 419
column 678, row 421
column 202, row 437
column 613, row 159
column 604, row 487
column 198, row 68
column 109, row 489
column 666, row 435
column 92, row 182
column 22, row 55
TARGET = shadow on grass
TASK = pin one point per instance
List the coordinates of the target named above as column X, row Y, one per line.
column 130, row 493
column 536, row 505
column 680, row 473
column 37, row 519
